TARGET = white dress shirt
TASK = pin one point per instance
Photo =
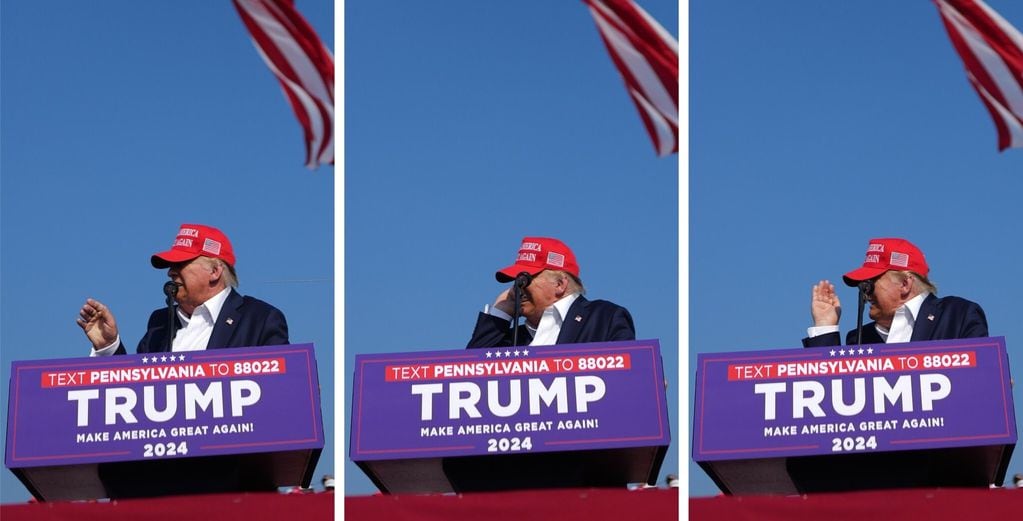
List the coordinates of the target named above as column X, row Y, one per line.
column 195, row 334
column 547, row 331
column 902, row 323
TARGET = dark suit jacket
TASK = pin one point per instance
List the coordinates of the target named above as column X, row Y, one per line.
column 939, row 319
column 586, row 321
column 243, row 322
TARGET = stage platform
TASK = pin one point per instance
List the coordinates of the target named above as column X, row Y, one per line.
column 564, row 505
column 931, row 504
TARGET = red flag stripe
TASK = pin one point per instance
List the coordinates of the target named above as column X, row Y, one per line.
column 646, row 56
column 992, row 52
column 303, row 66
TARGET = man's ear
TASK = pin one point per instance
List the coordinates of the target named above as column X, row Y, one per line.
column 907, row 286
column 216, row 272
column 562, row 286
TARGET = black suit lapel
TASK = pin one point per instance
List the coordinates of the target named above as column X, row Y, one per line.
column 927, row 318
column 227, row 322
column 574, row 320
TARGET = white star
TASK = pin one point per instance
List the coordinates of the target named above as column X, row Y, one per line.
column 507, row 354
column 489, row 354
column 852, row 352
column 144, row 360
column 163, row 358
column 859, row 351
column 497, row 354
column 525, row 352
column 870, row 350
column 841, row 352
column 832, row 352
column 181, row 358
column 517, row 352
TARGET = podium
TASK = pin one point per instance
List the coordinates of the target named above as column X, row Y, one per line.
column 573, row 415
column 222, row 420
column 879, row 416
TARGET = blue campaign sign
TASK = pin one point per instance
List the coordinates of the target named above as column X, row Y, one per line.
column 508, row 400
column 162, row 406
column 859, row 399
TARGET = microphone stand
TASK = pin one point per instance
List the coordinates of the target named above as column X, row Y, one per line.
column 866, row 288
column 170, row 289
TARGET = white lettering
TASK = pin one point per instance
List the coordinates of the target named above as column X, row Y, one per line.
column 468, row 403
column 928, row 393
column 770, row 392
column 116, row 407
column 427, row 391
column 243, row 394
column 82, row 397
column 811, row 395
column 583, row 397
column 464, row 398
column 514, row 398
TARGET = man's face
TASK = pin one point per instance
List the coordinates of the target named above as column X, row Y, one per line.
column 889, row 294
column 541, row 293
column 193, row 278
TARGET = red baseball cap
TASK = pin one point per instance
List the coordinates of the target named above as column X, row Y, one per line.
column 888, row 254
column 537, row 254
column 195, row 240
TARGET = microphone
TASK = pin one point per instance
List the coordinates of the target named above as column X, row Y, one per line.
column 523, row 279
column 170, row 288
column 866, row 291
column 867, row 288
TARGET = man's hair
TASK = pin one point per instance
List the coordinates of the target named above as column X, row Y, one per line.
column 230, row 277
column 574, row 284
column 921, row 283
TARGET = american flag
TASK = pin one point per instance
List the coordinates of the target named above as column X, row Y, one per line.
column 899, row 259
column 555, row 259
column 647, row 57
column 302, row 64
column 992, row 51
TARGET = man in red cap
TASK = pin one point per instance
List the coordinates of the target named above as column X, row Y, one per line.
column 904, row 305
column 552, row 303
column 209, row 313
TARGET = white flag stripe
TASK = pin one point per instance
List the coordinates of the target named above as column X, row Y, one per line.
column 1004, row 25
column 1007, row 84
column 303, row 66
column 647, row 59
column 992, row 53
column 1012, row 123
column 297, row 58
column 666, row 134
column 661, row 31
column 313, row 112
column 648, row 80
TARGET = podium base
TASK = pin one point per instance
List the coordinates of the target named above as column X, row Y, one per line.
column 257, row 472
column 949, row 467
column 537, row 470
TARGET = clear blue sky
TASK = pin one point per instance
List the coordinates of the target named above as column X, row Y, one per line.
column 470, row 125
column 124, row 119
column 814, row 126
column 818, row 125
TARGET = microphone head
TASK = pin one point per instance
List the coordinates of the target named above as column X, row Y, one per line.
column 170, row 288
column 523, row 279
column 867, row 287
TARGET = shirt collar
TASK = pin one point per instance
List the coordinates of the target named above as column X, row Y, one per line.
column 559, row 309
column 211, row 306
column 561, row 306
column 912, row 306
